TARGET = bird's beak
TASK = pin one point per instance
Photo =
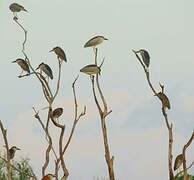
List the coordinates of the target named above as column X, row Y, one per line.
column 105, row 39
column 37, row 68
column 51, row 50
column 25, row 10
column 18, row 148
column 13, row 61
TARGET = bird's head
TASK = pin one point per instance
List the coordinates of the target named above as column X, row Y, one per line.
column 54, row 49
column 104, row 38
column 39, row 65
column 15, row 148
column 16, row 61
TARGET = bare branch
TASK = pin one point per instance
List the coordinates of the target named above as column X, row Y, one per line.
column 184, row 154
column 169, row 127
column 103, row 113
column 4, row 133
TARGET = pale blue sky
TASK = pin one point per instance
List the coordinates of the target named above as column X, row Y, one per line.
column 136, row 126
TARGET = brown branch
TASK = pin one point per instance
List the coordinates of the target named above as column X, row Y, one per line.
column 58, row 82
column 49, row 140
column 184, row 154
column 23, row 172
column 8, row 163
column 103, row 113
column 169, row 127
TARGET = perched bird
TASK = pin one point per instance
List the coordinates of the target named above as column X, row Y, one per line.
column 57, row 113
column 12, row 151
column 145, row 57
column 48, row 177
column 23, row 64
column 95, row 41
column 60, row 53
column 164, row 99
column 178, row 162
column 91, row 69
column 46, row 69
column 15, row 8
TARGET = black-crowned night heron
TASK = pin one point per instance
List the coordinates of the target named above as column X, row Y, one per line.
column 178, row 162
column 57, row 113
column 60, row 53
column 12, row 151
column 46, row 69
column 15, row 8
column 48, row 177
column 145, row 57
column 95, row 41
column 91, row 69
column 164, row 99
column 23, row 64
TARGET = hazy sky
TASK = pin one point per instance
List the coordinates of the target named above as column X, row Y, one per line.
column 138, row 136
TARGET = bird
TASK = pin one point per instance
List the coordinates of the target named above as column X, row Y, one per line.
column 91, row 69
column 164, row 99
column 46, row 69
column 23, row 64
column 15, row 8
column 12, row 151
column 60, row 53
column 178, row 162
column 145, row 57
column 48, row 177
column 93, row 42
column 57, row 113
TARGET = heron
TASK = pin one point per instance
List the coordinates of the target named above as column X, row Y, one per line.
column 15, row 8
column 46, row 69
column 145, row 57
column 48, row 177
column 91, row 69
column 12, row 151
column 164, row 99
column 178, row 162
column 23, row 64
column 93, row 42
column 57, row 113
column 60, row 53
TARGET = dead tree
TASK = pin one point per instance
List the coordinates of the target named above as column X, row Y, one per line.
column 50, row 96
column 103, row 112
column 168, row 125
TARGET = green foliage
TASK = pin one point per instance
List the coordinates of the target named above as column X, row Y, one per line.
column 181, row 178
column 24, row 170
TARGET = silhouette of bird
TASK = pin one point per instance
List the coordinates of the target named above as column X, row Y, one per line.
column 145, row 57
column 57, row 113
column 48, row 177
column 60, row 53
column 15, row 8
column 178, row 162
column 93, row 42
column 12, row 151
column 164, row 99
column 91, row 69
column 23, row 64
column 46, row 69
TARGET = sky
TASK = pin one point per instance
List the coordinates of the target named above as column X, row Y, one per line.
column 137, row 132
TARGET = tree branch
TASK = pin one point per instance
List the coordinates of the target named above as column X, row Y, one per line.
column 169, row 127
column 8, row 163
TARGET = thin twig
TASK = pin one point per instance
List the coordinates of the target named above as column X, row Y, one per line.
column 184, row 154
